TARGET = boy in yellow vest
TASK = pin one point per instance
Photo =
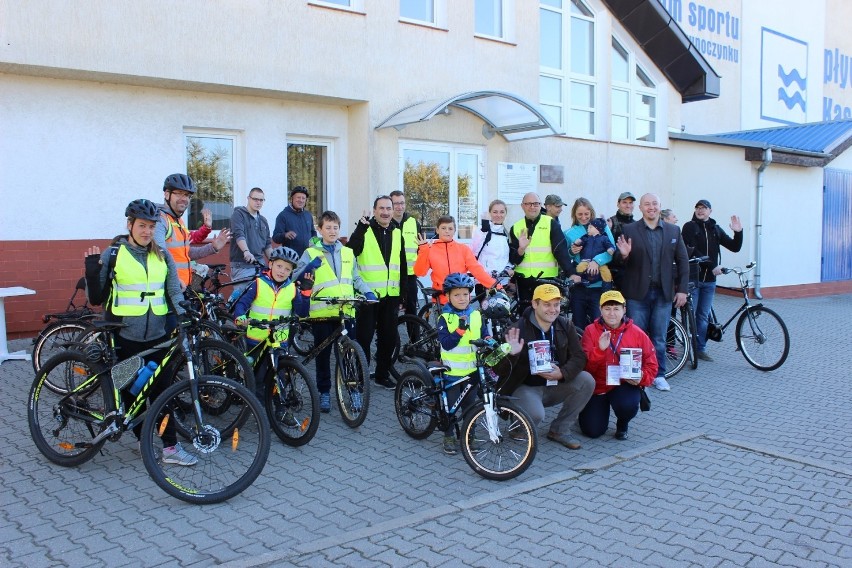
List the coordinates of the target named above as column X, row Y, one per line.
column 459, row 324
column 335, row 275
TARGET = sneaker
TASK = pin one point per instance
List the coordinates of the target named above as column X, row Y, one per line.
column 325, row 402
column 356, row 400
column 565, row 439
column 386, row 382
column 660, row 383
column 285, row 417
column 177, row 455
column 620, row 435
column 451, row 446
column 704, row 356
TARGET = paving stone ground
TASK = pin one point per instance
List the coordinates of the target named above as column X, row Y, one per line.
column 733, row 467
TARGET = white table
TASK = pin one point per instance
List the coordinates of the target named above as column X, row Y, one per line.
column 4, row 348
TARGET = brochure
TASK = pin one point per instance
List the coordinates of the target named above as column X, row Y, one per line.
column 539, row 352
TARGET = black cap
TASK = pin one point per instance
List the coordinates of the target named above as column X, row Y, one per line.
column 703, row 203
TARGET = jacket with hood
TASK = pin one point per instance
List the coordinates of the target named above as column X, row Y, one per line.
column 444, row 258
column 491, row 252
column 704, row 238
column 331, row 254
column 625, row 335
column 300, row 222
column 253, row 230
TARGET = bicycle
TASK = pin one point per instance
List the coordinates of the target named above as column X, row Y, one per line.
column 289, row 396
column 687, row 323
column 351, row 373
column 761, row 334
column 230, row 442
column 498, row 440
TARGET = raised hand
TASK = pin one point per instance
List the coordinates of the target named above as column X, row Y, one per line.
column 736, row 225
column 223, row 238
column 365, row 217
column 624, row 246
column 207, row 217
column 92, row 250
column 524, row 239
column 603, row 341
column 513, row 338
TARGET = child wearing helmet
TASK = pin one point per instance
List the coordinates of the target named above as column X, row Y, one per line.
column 459, row 324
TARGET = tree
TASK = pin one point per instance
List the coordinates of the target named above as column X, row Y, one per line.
column 427, row 191
column 210, row 169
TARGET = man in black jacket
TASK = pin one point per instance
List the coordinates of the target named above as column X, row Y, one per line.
column 703, row 237
column 656, row 272
column 565, row 382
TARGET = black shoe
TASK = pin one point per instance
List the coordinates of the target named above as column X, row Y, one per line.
column 619, row 435
column 387, row 383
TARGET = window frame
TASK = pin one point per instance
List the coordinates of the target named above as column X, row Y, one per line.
column 439, row 16
column 634, row 88
column 507, row 21
column 357, row 6
column 326, row 200
column 236, row 167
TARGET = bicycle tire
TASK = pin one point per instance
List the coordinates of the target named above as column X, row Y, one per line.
column 223, row 359
column 764, row 341
column 430, row 314
column 302, row 337
column 413, row 340
column 351, row 380
column 227, row 464
column 511, row 454
column 677, row 349
column 292, row 403
column 413, row 404
column 49, row 341
column 687, row 316
column 60, row 436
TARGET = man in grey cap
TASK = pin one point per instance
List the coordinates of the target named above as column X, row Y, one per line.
column 553, row 206
column 624, row 215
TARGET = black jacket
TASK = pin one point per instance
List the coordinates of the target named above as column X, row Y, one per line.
column 674, row 262
column 704, row 238
column 384, row 237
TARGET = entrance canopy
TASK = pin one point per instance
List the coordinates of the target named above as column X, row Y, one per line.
column 504, row 113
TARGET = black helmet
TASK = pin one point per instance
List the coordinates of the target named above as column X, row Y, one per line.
column 299, row 189
column 499, row 306
column 458, row 280
column 181, row 182
column 142, row 209
column 284, row 253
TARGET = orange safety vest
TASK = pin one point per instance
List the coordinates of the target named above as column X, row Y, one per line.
column 177, row 243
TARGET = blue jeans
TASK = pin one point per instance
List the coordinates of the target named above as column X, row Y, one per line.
column 652, row 316
column 702, row 301
column 624, row 401
column 585, row 305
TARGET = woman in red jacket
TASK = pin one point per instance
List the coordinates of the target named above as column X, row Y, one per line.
column 446, row 256
column 602, row 342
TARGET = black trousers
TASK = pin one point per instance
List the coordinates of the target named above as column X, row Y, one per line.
column 379, row 319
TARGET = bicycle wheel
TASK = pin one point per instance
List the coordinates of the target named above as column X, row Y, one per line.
column 430, row 314
column 292, row 403
column 302, row 337
column 222, row 359
column 51, row 339
column 677, row 348
column 353, row 388
column 415, row 339
column 415, row 406
column 687, row 318
column 513, row 451
column 227, row 463
column 763, row 338
column 63, row 425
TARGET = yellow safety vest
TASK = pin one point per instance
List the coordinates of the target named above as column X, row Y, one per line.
column 409, row 236
column 382, row 279
column 268, row 305
column 328, row 285
column 462, row 358
column 177, row 243
column 538, row 256
column 137, row 288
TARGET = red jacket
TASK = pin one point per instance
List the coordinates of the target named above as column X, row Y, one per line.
column 597, row 360
column 444, row 258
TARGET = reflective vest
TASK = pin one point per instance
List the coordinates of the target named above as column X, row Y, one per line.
column 177, row 243
column 538, row 256
column 136, row 288
column 268, row 305
column 461, row 359
column 409, row 236
column 382, row 279
column 328, row 285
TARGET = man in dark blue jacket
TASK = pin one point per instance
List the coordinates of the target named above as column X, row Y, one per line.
column 294, row 226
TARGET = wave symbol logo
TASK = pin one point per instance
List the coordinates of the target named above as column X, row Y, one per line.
column 798, row 97
column 784, row 78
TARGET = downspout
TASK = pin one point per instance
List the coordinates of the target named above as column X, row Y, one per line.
column 767, row 159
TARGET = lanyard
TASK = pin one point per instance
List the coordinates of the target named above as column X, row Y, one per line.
column 552, row 346
column 615, row 347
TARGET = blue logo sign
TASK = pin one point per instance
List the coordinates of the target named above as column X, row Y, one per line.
column 783, row 78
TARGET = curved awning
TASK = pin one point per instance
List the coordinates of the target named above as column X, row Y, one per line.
column 504, row 113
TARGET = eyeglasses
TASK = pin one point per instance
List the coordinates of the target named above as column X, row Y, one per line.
column 258, row 199
column 533, row 203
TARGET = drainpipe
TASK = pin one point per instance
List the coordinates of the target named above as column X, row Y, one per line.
column 767, row 159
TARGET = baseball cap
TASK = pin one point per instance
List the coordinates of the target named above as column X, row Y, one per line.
column 703, row 203
column 627, row 195
column 553, row 199
column 612, row 296
column 546, row 292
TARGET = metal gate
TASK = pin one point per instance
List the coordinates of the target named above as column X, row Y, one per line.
column 837, row 226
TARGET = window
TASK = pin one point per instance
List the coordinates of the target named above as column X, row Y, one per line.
column 353, row 5
column 428, row 12
column 634, row 98
column 210, row 163
column 308, row 165
column 494, row 19
column 439, row 180
column 567, row 84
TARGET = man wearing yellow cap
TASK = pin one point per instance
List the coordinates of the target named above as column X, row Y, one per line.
column 544, row 338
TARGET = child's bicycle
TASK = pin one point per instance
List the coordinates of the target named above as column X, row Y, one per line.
column 289, row 395
column 352, row 372
column 498, row 440
column 218, row 419
column 761, row 334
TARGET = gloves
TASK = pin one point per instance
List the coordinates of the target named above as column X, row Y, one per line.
column 184, row 320
column 306, row 283
column 313, row 265
column 371, row 298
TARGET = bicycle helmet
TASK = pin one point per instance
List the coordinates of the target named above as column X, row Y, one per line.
column 458, row 280
column 142, row 209
column 299, row 189
column 499, row 306
column 284, row 253
column 181, row 182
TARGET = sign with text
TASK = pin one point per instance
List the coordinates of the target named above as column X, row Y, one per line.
column 516, row 180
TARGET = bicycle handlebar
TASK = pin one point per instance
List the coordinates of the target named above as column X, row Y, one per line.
column 740, row 271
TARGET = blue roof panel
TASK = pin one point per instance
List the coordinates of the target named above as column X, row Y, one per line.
column 820, row 137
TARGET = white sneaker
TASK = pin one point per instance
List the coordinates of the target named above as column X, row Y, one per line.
column 660, row 383
column 177, row 455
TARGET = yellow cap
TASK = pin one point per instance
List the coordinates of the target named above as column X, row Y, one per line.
column 612, row 296
column 547, row 292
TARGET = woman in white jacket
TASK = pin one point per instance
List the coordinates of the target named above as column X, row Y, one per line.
column 490, row 243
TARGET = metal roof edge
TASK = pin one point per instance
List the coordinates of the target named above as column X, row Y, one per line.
column 720, row 141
